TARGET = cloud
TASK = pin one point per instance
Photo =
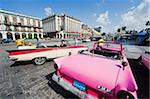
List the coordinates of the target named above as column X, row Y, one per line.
column 103, row 19
column 136, row 17
column 48, row 11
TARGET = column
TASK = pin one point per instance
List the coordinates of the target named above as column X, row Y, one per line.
column 38, row 35
column 20, row 35
column 27, row 35
column 13, row 35
column 42, row 35
column 4, row 35
column 32, row 35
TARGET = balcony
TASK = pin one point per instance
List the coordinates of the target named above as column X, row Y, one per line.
column 7, row 23
column 14, row 23
column 8, row 28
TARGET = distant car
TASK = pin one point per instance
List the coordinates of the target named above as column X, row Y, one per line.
column 6, row 40
column 38, row 55
column 86, row 40
column 95, row 38
column 144, row 59
column 100, row 72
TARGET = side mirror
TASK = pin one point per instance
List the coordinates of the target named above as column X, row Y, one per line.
column 124, row 64
column 70, row 53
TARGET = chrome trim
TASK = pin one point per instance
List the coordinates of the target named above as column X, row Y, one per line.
column 71, row 88
column 12, row 58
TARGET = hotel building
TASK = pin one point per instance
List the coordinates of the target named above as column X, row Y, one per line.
column 64, row 26
column 15, row 26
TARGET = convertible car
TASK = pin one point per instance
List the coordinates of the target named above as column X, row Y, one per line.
column 40, row 54
column 100, row 72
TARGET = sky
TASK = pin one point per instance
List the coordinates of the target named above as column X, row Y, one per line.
column 109, row 14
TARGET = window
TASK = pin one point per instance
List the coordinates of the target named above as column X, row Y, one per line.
column 15, row 20
column 22, row 21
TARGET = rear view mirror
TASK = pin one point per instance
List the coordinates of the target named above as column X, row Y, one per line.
column 124, row 64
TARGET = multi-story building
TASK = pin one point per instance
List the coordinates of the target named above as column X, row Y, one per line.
column 15, row 26
column 86, row 31
column 62, row 26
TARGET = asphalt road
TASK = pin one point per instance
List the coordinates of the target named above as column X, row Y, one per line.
column 23, row 80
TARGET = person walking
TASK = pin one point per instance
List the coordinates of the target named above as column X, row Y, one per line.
column 38, row 43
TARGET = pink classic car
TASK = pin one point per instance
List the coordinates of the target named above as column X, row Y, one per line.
column 100, row 72
column 145, row 59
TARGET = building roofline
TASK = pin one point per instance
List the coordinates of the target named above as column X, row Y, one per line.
column 70, row 17
column 48, row 17
column 17, row 14
column 61, row 16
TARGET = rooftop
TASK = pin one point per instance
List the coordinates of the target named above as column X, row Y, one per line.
column 60, row 16
column 17, row 14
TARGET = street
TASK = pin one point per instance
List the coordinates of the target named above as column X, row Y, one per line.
column 23, row 80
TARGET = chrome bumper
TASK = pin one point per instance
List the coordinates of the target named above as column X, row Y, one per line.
column 71, row 88
column 12, row 58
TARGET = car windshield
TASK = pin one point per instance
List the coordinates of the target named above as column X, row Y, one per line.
column 109, row 46
column 103, row 53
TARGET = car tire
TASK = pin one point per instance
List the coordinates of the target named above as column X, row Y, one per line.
column 124, row 95
column 39, row 60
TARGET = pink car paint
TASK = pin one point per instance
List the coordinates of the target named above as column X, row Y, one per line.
column 104, row 77
column 145, row 59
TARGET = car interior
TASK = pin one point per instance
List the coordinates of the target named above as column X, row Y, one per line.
column 111, row 54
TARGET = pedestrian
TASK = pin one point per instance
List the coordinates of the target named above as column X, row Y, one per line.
column 76, row 41
column 38, row 43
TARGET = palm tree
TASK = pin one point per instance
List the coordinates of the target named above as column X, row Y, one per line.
column 118, row 30
column 124, row 28
column 147, row 23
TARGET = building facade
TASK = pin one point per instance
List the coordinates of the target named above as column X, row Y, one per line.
column 16, row 26
column 62, row 27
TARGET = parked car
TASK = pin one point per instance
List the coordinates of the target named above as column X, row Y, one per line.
column 86, row 40
column 99, row 72
column 144, row 59
column 38, row 55
column 95, row 38
column 5, row 41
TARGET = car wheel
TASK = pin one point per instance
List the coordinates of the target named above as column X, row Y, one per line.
column 124, row 95
column 39, row 60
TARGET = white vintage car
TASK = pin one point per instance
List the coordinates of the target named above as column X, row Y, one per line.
column 40, row 54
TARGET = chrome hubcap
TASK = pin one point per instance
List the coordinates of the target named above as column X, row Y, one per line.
column 39, row 60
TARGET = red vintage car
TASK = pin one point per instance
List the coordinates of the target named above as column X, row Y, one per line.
column 100, row 72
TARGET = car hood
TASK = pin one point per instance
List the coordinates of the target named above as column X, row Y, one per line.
column 91, row 70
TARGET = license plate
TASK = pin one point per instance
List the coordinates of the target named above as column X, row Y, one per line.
column 79, row 85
